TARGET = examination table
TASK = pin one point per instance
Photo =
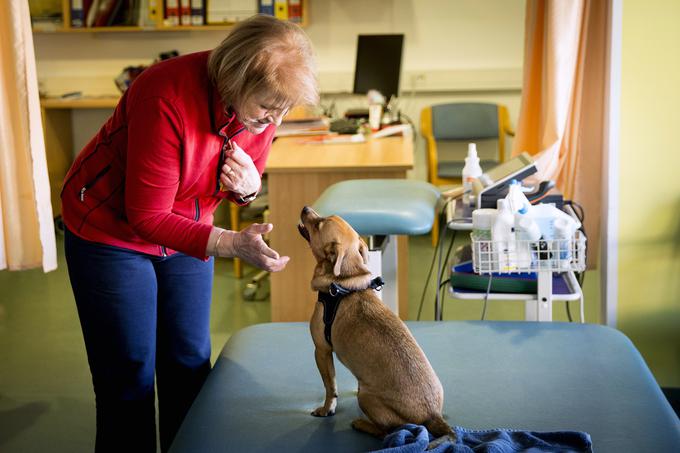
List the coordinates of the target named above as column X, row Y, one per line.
column 520, row 375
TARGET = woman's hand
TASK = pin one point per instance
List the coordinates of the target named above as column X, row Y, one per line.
column 239, row 174
column 249, row 246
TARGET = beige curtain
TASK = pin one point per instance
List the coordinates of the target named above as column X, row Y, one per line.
column 26, row 228
column 562, row 116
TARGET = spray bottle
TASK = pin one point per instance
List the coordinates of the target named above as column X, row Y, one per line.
column 471, row 171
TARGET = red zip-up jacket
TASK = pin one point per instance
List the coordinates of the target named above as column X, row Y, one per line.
column 149, row 179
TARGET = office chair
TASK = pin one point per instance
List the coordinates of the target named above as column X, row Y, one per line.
column 460, row 122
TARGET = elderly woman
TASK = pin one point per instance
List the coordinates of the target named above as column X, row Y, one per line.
column 138, row 207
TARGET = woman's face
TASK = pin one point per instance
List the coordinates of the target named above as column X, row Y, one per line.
column 257, row 113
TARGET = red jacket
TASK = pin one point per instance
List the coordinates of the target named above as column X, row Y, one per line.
column 148, row 180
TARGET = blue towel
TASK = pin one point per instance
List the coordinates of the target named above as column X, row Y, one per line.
column 415, row 439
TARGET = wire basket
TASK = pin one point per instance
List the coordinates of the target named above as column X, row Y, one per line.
column 557, row 255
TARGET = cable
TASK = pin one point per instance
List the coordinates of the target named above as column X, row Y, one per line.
column 444, row 226
column 429, row 273
column 413, row 125
column 568, row 312
column 486, row 297
column 427, row 279
column 444, row 268
column 581, row 216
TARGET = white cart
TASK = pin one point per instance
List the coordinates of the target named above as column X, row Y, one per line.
column 549, row 259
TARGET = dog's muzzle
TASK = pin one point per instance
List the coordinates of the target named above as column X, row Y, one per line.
column 303, row 231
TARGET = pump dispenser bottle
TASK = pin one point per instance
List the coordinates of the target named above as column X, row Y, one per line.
column 471, row 171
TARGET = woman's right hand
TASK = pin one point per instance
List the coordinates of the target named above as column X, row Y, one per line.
column 249, row 246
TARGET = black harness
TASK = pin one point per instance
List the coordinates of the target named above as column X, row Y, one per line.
column 331, row 301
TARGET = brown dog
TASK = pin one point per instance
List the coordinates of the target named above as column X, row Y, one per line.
column 397, row 384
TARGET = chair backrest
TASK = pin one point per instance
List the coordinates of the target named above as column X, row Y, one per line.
column 461, row 121
column 465, row 121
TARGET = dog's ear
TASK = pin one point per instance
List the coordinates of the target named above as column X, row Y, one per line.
column 335, row 253
column 363, row 250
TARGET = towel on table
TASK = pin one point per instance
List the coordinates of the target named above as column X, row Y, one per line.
column 415, row 438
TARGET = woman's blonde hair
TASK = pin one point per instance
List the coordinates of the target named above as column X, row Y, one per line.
column 264, row 55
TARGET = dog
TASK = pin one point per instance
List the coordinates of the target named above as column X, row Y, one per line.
column 397, row 384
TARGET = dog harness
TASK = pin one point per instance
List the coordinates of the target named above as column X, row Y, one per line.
column 331, row 301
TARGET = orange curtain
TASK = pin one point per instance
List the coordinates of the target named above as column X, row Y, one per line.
column 27, row 237
column 562, row 115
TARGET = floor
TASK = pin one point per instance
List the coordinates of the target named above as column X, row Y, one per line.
column 46, row 398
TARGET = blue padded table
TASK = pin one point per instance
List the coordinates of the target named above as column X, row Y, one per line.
column 521, row 375
column 382, row 206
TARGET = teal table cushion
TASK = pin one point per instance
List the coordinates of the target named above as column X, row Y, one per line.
column 521, row 375
column 381, row 206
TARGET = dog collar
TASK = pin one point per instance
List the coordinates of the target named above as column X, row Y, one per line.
column 331, row 301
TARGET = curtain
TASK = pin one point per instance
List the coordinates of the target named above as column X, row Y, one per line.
column 562, row 115
column 27, row 238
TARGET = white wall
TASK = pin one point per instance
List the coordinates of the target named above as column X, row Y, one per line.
column 454, row 50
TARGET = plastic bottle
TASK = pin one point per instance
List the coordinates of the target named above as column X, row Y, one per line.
column 564, row 232
column 527, row 233
column 482, row 223
column 503, row 235
column 471, row 171
column 519, row 203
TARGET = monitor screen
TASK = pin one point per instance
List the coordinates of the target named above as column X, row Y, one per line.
column 378, row 64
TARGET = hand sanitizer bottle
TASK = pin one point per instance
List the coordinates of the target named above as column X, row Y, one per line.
column 471, row 171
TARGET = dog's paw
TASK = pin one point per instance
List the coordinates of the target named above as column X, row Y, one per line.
column 323, row 412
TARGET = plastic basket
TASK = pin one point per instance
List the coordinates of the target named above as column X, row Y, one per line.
column 559, row 255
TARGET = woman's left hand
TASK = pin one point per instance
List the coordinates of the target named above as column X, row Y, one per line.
column 239, row 174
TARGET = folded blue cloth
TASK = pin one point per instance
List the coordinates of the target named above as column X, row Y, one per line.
column 415, row 439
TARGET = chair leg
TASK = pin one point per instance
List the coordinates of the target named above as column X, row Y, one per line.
column 435, row 230
column 234, row 224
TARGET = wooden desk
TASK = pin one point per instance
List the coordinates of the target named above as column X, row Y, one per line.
column 297, row 175
column 58, row 130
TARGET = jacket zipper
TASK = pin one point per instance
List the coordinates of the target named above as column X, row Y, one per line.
column 223, row 157
column 101, row 173
column 164, row 251
column 198, row 211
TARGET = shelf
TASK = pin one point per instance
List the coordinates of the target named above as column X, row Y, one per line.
column 130, row 29
column 80, row 103
column 157, row 24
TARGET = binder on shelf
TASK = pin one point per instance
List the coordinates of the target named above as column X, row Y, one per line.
column 266, row 7
column 91, row 15
column 281, row 9
column 197, row 12
column 77, row 14
column 106, row 11
column 295, row 11
column 229, row 11
column 185, row 12
column 155, row 11
column 171, row 13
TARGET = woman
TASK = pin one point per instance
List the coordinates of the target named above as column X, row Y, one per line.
column 138, row 206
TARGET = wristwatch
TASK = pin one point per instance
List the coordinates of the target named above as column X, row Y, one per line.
column 247, row 198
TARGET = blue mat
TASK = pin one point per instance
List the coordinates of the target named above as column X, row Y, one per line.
column 415, row 438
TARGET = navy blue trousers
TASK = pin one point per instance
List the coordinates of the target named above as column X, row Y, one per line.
column 142, row 317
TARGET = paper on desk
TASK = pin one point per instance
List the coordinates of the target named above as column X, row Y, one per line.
column 335, row 139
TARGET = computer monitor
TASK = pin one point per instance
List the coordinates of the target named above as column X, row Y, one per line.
column 378, row 64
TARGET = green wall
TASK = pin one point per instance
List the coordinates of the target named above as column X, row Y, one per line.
column 649, row 220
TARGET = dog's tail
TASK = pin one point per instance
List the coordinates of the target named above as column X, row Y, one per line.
column 438, row 427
